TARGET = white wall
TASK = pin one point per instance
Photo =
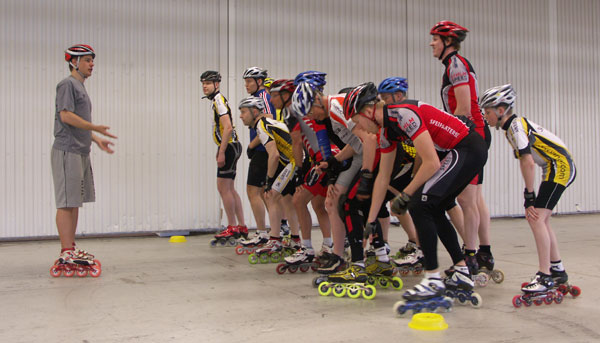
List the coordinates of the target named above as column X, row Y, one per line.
column 146, row 87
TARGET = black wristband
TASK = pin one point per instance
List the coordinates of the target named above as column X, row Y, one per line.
column 529, row 198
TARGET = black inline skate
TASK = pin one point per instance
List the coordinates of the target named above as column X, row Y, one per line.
column 460, row 286
column 486, row 265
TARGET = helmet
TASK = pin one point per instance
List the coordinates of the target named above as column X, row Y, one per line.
column 345, row 90
column 315, row 78
column 358, row 97
column 283, row 85
column 500, row 95
column 393, row 85
column 303, row 98
column 447, row 28
column 255, row 73
column 79, row 50
column 252, row 101
column 268, row 82
column 210, row 75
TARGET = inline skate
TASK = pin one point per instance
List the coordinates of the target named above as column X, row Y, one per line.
column 541, row 290
column 272, row 252
column 229, row 236
column 333, row 264
column 303, row 260
column 248, row 246
column 408, row 249
column 481, row 278
column 77, row 261
column 485, row 261
column 381, row 274
column 561, row 280
column 351, row 282
column 413, row 262
column 426, row 296
column 460, row 286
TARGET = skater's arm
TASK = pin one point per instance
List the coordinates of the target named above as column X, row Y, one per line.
column 297, row 150
column 386, row 165
column 255, row 142
column 463, row 100
column 103, row 144
column 273, row 159
column 369, row 142
column 72, row 119
column 430, row 162
column 528, row 170
column 227, row 131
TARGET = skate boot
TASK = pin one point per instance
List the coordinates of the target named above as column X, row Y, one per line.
column 408, row 249
column 76, row 261
column 290, row 247
column 272, row 252
column 243, row 230
column 541, row 289
column 381, row 274
column 228, row 236
column 324, row 255
column 481, row 279
column 426, row 296
column 561, row 280
column 248, row 246
column 413, row 262
column 303, row 259
column 333, row 265
column 460, row 286
column 486, row 264
column 351, row 282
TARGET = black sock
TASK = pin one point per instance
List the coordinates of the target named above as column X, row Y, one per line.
column 295, row 236
column 486, row 249
column 469, row 252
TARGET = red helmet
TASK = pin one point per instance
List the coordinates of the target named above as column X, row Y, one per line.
column 447, row 28
column 283, row 85
column 79, row 50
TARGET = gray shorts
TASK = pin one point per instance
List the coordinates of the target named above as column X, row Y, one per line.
column 73, row 179
column 345, row 178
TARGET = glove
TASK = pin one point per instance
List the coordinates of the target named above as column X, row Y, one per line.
column 249, row 152
column 529, row 198
column 312, row 177
column 399, row 204
column 365, row 185
column 333, row 165
column 299, row 174
column 370, row 229
column 270, row 181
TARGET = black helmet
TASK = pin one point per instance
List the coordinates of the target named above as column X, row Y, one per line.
column 359, row 97
column 210, row 75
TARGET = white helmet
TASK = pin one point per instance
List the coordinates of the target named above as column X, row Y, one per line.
column 252, row 101
column 500, row 95
column 255, row 73
column 303, row 98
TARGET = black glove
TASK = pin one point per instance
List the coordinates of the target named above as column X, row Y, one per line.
column 370, row 229
column 365, row 185
column 529, row 198
column 399, row 204
column 298, row 179
column 270, row 181
column 250, row 152
column 333, row 165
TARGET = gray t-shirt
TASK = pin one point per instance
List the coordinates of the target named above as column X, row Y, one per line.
column 72, row 96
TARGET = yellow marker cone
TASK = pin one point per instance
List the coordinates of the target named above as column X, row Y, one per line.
column 428, row 322
column 177, row 239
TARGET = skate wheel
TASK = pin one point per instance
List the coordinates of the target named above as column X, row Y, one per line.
column 304, row 269
column 213, row 243
column 383, row 283
column 314, row 268
column 371, row 280
column 253, row 259
column 276, row 257
column 353, row 291
column 462, row 299
column 400, row 308
column 497, row 276
column 82, row 272
column 287, row 253
column 558, row 298
column 447, row 304
column 96, row 262
column 239, row 250
column 548, row 300
column 222, row 242
column 293, row 269
column 526, row 302
column 317, row 281
column 68, row 271
column 418, row 270
column 95, row 270
column 369, row 292
column 575, row 291
column 55, row 271
column 481, row 279
column 263, row 258
column 324, row 289
column 339, row 290
column 476, row 300
column 516, row 301
column 232, row 242
column 563, row 289
column 404, row 272
column 281, row 268
column 397, row 283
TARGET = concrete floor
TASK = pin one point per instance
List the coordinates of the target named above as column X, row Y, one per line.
column 151, row 290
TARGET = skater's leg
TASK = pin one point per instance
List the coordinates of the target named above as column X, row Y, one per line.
column 542, row 238
column 554, row 251
column 258, row 206
column 274, row 204
column 226, row 189
column 318, row 205
column 458, row 219
column 290, row 213
column 239, row 210
column 337, row 226
column 66, row 223
column 468, row 202
column 300, row 200
column 484, row 218
column 409, row 227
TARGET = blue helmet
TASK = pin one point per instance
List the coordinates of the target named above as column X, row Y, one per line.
column 315, row 78
column 303, row 98
column 393, row 85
